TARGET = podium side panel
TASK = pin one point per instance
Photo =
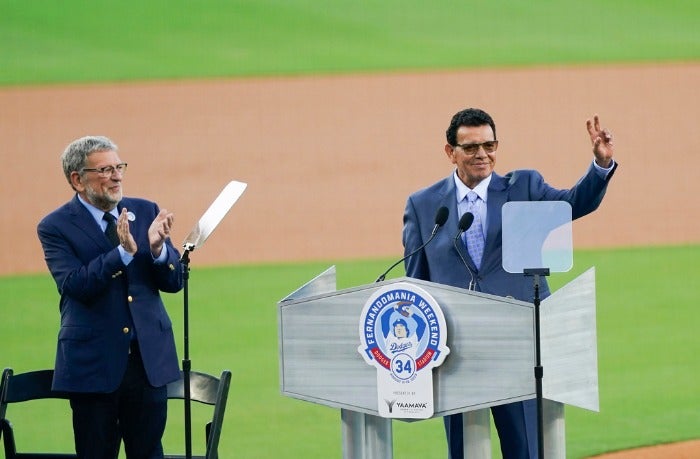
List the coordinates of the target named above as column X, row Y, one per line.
column 569, row 344
column 324, row 282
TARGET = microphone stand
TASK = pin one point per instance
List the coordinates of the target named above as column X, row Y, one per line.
column 186, row 363
column 383, row 276
column 472, row 284
column 539, row 371
column 440, row 219
column 465, row 222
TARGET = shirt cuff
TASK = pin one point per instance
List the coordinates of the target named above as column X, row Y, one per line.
column 162, row 258
column 603, row 171
column 126, row 256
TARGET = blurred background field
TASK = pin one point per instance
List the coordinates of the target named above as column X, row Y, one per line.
column 647, row 321
column 82, row 41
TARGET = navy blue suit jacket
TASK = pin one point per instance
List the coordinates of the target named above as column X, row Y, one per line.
column 440, row 261
column 103, row 301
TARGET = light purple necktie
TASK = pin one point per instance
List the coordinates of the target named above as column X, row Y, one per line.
column 474, row 236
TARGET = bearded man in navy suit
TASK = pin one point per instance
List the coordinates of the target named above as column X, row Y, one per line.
column 111, row 257
column 475, row 187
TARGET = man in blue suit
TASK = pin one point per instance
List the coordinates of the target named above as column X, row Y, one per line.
column 475, row 187
column 111, row 257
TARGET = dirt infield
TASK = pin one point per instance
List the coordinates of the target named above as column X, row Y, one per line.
column 330, row 160
column 680, row 450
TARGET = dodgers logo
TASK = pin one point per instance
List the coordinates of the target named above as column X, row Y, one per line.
column 403, row 334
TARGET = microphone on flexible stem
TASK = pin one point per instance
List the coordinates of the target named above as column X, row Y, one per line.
column 464, row 223
column 440, row 219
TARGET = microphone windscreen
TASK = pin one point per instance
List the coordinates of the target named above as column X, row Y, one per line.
column 441, row 215
column 466, row 221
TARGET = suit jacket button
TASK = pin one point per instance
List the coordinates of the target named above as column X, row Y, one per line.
column 130, row 298
column 125, row 330
column 172, row 267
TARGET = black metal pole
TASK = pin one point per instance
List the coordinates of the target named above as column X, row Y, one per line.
column 539, row 371
column 186, row 364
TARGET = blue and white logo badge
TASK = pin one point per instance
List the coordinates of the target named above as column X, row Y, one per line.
column 403, row 334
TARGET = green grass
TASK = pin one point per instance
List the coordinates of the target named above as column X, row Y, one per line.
column 647, row 346
column 82, row 41
column 647, row 350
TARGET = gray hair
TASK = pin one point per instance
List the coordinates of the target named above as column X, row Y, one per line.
column 75, row 155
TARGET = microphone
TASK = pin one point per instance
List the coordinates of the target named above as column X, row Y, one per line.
column 440, row 219
column 464, row 223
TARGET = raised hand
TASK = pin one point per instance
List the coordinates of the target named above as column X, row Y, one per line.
column 602, row 142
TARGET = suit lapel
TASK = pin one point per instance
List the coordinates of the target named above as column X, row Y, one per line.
column 82, row 220
column 448, row 200
column 498, row 196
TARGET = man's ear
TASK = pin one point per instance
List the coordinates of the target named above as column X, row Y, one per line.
column 449, row 151
column 76, row 181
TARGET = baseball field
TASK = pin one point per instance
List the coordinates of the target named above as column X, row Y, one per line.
column 333, row 113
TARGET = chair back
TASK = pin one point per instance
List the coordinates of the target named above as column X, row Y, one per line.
column 207, row 389
column 36, row 385
column 24, row 387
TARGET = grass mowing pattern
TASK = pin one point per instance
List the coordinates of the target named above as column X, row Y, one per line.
column 79, row 41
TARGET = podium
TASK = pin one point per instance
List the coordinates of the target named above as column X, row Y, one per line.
column 491, row 359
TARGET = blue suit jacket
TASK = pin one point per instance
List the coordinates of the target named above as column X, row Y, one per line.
column 103, row 301
column 440, row 262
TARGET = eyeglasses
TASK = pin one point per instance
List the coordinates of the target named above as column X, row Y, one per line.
column 107, row 171
column 473, row 148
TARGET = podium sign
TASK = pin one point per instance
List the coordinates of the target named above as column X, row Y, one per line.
column 402, row 334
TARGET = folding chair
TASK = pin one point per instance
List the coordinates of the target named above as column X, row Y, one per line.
column 23, row 387
column 35, row 385
column 209, row 390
